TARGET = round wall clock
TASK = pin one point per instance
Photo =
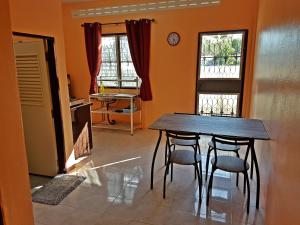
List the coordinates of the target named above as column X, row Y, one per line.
column 173, row 38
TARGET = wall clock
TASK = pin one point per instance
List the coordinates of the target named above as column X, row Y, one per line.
column 173, row 38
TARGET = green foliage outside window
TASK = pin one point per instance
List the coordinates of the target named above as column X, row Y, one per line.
column 221, row 50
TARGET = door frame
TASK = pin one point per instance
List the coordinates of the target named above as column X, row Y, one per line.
column 243, row 63
column 55, row 96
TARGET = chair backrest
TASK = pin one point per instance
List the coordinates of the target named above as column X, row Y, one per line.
column 231, row 141
column 182, row 136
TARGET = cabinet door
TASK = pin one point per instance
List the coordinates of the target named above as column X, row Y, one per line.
column 36, row 106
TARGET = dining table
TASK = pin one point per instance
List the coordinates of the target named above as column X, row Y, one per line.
column 251, row 129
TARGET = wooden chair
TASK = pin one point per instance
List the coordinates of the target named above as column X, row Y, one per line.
column 183, row 157
column 230, row 163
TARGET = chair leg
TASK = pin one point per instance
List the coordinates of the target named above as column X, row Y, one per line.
column 200, row 166
column 199, row 181
column 199, row 150
column 248, row 191
column 251, row 173
column 210, row 185
column 207, row 162
column 237, row 175
column 171, row 172
column 165, row 177
column 200, row 162
column 166, row 152
column 244, row 189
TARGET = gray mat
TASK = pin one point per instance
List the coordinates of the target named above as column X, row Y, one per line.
column 57, row 189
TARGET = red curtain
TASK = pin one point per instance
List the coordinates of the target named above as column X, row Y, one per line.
column 138, row 33
column 93, row 33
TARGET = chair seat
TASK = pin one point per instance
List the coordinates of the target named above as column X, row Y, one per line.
column 230, row 164
column 182, row 142
column 224, row 147
column 184, row 157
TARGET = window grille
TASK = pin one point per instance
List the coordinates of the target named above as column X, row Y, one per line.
column 117, row 64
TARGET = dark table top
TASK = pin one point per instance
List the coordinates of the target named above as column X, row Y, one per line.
column 212, row 125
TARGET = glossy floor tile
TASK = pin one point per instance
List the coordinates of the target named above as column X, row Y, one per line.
column 117, row 189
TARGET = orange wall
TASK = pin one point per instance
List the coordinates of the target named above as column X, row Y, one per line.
column 276, row 91
column 172, row 69
column 45, row 18
column 15, row 196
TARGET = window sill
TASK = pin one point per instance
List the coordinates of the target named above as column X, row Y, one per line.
column 122, row 88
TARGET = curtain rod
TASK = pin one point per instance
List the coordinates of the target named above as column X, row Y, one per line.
column 116, row 23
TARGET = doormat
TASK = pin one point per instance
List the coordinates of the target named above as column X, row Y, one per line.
column 57, row 189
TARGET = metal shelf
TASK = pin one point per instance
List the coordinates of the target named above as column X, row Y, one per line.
column 113, row 111
column 132, row 98
column 117, row 126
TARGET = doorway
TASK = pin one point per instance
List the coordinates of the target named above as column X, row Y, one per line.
column 220, row 73
column 40, row 103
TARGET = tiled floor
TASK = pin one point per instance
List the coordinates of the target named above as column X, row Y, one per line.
column 117, row 190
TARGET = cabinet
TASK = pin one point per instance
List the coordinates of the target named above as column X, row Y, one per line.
column 105, row 106
column 82, row 131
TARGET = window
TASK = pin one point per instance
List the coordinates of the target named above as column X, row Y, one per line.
column 221, row 68
column 116, row 63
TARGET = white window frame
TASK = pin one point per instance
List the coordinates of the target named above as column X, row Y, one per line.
column 120, row 79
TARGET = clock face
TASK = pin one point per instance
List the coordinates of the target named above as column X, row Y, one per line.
column 173, row 38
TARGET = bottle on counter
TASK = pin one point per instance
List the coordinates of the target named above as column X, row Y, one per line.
column 101, row 88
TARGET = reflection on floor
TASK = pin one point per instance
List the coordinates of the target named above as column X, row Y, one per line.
column 117, row 189
column 37, row 181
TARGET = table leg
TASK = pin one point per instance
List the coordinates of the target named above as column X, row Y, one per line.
column 131, row 116
column 257, row 173
column 251, row 169
column 154, row 156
